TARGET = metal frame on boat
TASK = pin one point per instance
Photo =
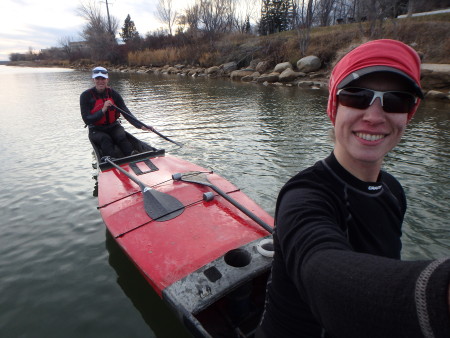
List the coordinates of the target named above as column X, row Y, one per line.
column 209, row 258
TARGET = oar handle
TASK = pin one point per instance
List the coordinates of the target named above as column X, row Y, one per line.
column 144, row 125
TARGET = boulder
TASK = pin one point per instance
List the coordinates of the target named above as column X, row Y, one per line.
column 289, row 75
column 435, row 94
column 229, row 67
column 172, row 70
column 281, row 67
column 239, row 74
column 248, row 78
column 269, row 78
column 263, row 67
column 252, row 77
column 212, row 70
column 435, row 76
column 309, row 64
column 254, row 63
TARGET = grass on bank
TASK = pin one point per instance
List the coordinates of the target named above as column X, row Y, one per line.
column 429, row 35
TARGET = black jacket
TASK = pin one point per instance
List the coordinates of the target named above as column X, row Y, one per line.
column 336, row 268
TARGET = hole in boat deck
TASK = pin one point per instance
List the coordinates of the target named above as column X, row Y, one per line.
column 212, row 274
column 238, row 258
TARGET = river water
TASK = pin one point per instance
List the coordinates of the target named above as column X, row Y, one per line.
column 60, row 272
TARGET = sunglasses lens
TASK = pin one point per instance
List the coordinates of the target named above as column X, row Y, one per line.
column 398, row 102
column 100, row 71
column 393, row 102
column 355, row 97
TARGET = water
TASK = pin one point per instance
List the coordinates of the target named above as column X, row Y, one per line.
column 60, row 272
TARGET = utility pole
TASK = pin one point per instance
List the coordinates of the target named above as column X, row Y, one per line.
column 109, row 20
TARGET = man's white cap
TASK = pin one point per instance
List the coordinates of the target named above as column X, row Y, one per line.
column 99, row 71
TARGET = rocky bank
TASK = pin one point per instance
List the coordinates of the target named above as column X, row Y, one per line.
column 307, row 73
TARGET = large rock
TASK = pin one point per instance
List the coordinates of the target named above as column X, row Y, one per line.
column 229, row 67
column 194, row 72
column 263, row 66
column 435, row 94
column 289, row 75
column 435, row 76
column 172, row 70
column 254, row 63
column 252, row 77
column 269, row 78
column 212, row 70
column 239, row 74
column 281, row 67
column 309, row 64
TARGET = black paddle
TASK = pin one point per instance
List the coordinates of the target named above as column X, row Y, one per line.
column 158, row 205
column 144, row 125
column 179, row 177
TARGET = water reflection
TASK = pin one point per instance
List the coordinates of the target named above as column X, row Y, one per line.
column 154, row 311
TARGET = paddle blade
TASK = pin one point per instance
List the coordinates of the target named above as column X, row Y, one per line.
column 160, row 206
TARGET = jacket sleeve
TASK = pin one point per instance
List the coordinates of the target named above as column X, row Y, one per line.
column 86, row 104
column 361, row 295
column 121, row 104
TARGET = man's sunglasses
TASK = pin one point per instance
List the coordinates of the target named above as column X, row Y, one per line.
column 391, row 101
column 100, row 71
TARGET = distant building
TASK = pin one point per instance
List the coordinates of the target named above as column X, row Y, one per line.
column 78, row 45
column 425, row 13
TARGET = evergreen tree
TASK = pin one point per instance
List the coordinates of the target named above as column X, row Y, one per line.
column 247, row 26
column 276, row 16
column 129, row 31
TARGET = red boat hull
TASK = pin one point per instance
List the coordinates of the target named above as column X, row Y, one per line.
column 168, row 251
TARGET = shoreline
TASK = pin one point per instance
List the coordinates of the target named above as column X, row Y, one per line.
column 435, row 78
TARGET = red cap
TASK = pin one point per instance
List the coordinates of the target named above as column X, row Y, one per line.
column 375, row 56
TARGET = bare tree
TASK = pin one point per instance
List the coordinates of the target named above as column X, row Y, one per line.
column 304, row 18
column 193, row 17
column 217, row 16
column 324, row 9
column 65, row 45
column 97, row 33
column 376, row 11
column 247, row 12
column 167, row 14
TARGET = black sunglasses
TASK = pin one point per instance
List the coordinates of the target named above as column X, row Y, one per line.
column 98, row 71
column 391, row 101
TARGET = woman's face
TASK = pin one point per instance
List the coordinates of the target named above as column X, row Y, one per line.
column 365, row 136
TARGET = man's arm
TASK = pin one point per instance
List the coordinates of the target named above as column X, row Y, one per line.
column 85, row 107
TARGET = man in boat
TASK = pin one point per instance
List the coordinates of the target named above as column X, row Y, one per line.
column 337, row 270
column 100, row 115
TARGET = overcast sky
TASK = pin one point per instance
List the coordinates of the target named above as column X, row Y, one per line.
column 41, row 24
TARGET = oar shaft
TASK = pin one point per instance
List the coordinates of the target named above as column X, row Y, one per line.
column 158, row 205
column 126, row 173
column 144, row 125
column 229, row 199
column 242, row 208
